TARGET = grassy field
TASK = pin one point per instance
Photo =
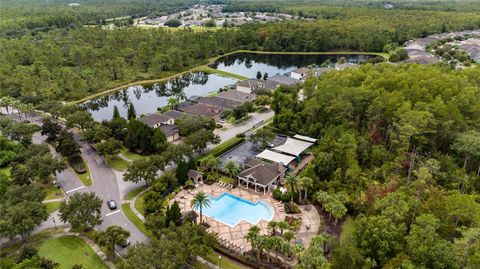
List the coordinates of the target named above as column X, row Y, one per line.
column 139, row 204
column 136, row 221
column 70, row 250
column 117, row 163
column 224, row 147
column 134, row 193
column 53, row 192
column 86, row 177
column 210, row 70
column 52, row 206
column 132, row 156
column 225, row 262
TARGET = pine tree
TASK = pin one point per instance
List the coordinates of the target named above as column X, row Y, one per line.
column 116, row 113
column 131, row 114
column 259, row 75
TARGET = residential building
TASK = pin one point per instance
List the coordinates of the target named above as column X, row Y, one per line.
column 174, row 114
column 171, row 132
column 283, row 80
column 200, row 110
column 260, row 175
column 156, row 120
column 219, row 102
column 237, row 96
column 300, row 73
column 250, row 85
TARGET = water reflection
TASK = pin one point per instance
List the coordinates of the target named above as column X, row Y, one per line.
column 147, row 98
column 248, row 64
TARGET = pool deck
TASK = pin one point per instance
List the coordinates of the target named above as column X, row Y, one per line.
column 232, row 237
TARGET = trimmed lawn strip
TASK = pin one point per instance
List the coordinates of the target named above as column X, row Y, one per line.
column 132, row 156
column 70, row 250
column 225, row 262
column 139, row 206
column 52, row 206
column 210, row 70
column 117, row 163
column 134, row 193
column 135, row 220
column 86, row 177
column 52, row 191
column 33, row 240
column 224, row 147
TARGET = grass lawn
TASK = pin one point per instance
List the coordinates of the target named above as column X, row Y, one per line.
column 52, row 192
column 132, row 156
column 210, row 70
column 86, row 177
column 134, row 193
column 117, row 163
column 136, row 221
column 224, row 147
column 70, row 250
column 139, row 204
column 53, row 206
column 225, row 262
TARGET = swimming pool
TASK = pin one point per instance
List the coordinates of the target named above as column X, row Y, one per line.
column 230, row 210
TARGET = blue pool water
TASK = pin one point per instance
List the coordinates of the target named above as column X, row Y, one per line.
column 230, row 210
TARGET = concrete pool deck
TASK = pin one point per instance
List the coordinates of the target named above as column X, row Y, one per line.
column 236, row 234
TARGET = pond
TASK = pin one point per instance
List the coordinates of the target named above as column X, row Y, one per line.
column 248, row 64
column 147, row 98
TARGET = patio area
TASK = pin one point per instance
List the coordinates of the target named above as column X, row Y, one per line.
column 231, row 237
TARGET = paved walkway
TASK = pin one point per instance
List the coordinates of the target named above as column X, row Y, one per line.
column 310, row 224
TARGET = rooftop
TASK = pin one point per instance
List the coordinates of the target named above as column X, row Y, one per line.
column 275, row 157
column 301, row 70
column 220, row 102
column 173, row 114
column 237, row 96
column 200, row 109
column 169, row 130
column 283, row 80
column 293, row 146
column 261, row 171
column 153, row 119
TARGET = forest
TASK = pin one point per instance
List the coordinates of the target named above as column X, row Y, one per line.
column 68, row 64
column 24, row 16
column 400, row 150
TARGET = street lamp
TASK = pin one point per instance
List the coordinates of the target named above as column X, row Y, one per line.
column 219, row 257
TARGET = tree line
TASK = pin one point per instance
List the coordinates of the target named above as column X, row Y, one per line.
column 397, row 162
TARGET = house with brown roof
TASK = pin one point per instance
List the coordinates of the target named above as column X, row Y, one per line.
column 219, row 102
column 197, row 109
column 174, row 114
column 237, row 96
column 250, row 85
column 171, row 132
column 156, row 120
column 260, row 175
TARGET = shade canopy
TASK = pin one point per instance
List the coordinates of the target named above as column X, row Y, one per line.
column 275, row 157
column 305, row 138
column 293, row 146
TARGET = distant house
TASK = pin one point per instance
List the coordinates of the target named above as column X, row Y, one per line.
column 237, row 96
column 283, row 80
column 156, row 120
column 250, row 85
column 173, row 114
column 343, row 66
column 300, row 73
column 321, row 70
column 200, row 110
column 171, row 132
column 388, row 6
column 260, row 175
column 219, row 102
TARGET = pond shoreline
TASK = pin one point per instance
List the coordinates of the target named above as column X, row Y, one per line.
column 206, row 68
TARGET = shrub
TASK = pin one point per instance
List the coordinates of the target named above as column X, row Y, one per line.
column 292, row 208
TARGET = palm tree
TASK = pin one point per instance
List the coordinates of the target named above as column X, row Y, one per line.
column 292, row 184
column 232, row 168
column 211, row 162
column 200, row 201
column 282, row 225
column 252, row 237
column 289, row 235
column 6, row 102
column 173, row 101
column 306, row 183
column 272, row 226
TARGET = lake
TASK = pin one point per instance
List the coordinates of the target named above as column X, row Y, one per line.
column 147, row 98
column 248, row 64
